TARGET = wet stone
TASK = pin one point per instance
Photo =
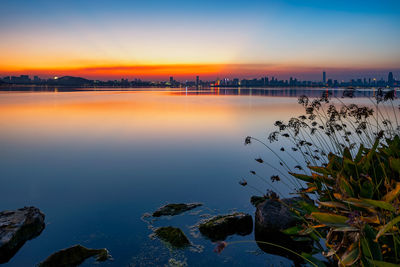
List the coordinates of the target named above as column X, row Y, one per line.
column 275, row 215
column 17, row 227
column 74, row 256
column 175, row 209
column 220, row 227
column 173, row 236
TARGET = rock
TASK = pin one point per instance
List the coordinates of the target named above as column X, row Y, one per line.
column 271, row 218
column 175, row 209
column 255, row 200
column 275, row 215
column 174, row 236
column 17, row 227
column 74, row 256
column 219, row 227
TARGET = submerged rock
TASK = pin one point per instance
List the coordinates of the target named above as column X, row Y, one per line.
column 175, row 209
column 174, row 236
column 271, row 218
column 17, row 227
column 275, row 215
column 74, row 256
column 219, row 227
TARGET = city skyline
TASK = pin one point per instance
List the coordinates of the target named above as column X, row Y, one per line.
column 155, row 39
column 264, row 81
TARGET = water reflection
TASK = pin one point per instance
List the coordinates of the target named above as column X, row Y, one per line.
column 95, row 161
column 271, row 92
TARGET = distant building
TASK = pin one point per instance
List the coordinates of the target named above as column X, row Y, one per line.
column 390, row 79
column 324, row 77
column 23, row 79
column 197, row 81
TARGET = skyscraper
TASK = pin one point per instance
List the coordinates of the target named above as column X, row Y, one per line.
column 197, row 81
column 324, row 77
column 390, row 79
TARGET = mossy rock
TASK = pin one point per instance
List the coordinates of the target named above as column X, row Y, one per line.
column 173, row 236
column 174, row 209
column 219, row 227
column 74, row 256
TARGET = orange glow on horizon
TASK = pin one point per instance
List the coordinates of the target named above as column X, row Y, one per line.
column 163, row 71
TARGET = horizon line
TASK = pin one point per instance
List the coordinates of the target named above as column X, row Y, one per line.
column 209, row 71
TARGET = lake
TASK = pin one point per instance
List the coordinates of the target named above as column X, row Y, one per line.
column 95, row 161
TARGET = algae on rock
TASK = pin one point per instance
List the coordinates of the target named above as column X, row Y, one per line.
column 173, row 236
column 74, row 256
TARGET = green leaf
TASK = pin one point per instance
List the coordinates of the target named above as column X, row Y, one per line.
column 307, row 206
column 387, row 227
column 350, row 167
column 345, row 186
column 319, row 169
column 346, row 229
column 365, row 162
column 378, row 204
column 367, row 189
column 292, row 230
column 351, row 256
column 314, row 236
column 369, row 247
column 335, row 163
column 384, row 264
column 389, row 197
column 330, row 219
column 359, row 153
column 302, row 177
column 347, row 154
column 395, row 164
column 333, row 204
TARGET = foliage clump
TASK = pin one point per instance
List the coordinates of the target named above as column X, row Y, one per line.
column 351, row 174
column 357, row 205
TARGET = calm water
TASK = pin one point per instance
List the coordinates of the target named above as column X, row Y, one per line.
column 95, row 161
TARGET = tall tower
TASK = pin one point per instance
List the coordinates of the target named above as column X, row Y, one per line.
column 390, row 79
column 197, row 81
column 324, row 77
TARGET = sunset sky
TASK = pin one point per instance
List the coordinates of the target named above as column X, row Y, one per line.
column 155, row 39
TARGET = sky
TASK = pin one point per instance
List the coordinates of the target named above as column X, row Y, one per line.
column 155, row 39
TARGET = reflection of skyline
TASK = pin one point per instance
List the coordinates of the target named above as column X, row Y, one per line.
column 216, row 91
column 295, row 92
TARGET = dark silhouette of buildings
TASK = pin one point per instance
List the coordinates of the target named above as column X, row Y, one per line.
column 226, row 82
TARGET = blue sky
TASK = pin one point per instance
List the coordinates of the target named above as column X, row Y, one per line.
column 286, row 34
